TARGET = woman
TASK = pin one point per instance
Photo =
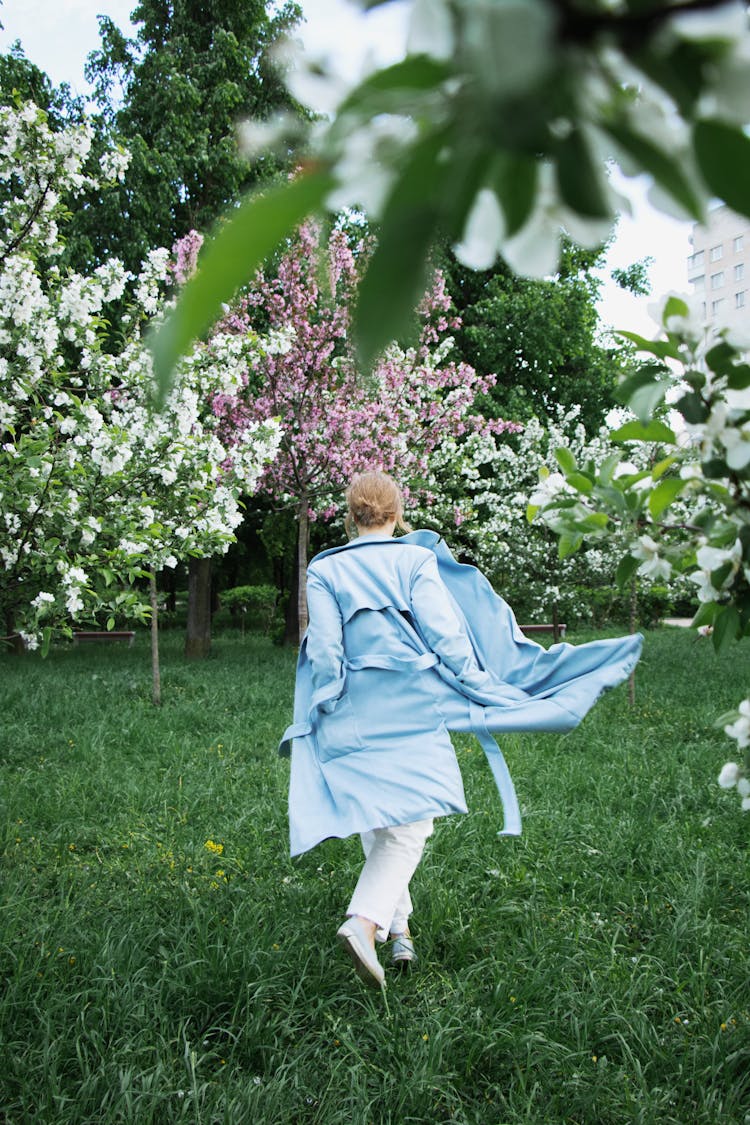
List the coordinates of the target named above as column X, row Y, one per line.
column 405, row 644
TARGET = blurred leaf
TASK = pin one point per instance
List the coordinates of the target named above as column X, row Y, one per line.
column 397, row 272
column 706, row 615
column 110, row 624
column 565, row 459
column 385, row 89
column 531, row 511
column 239, row 247
column 579, row 177
column 514, row 178
column 726, row 627
column 664, row 494
column 626, row 568
column 723, row 154
column 569, row 544
column 693, row 408
column 644, row 391
column 719, row 358
column 46, row 640
column 580, row 482
column 607, row 469
column 674, row 306
column 661, row 467
column 594, row 521
column 662, row 167
column 663, row 349
column 738, row 377
column 641, row 431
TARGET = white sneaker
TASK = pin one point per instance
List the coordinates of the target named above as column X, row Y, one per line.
column 354, row 939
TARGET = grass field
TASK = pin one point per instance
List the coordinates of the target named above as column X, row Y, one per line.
column 165, row 961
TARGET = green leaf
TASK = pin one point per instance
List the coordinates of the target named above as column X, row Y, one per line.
column 565, row 459
column 397, row 273
column 580, row 482
column 661, row 467
column 664, row 494
column 693, row 408
column 579, row 177
column 720, row 358
column 626, row 568
column 705, row 615
column 46, row 639
column 674, row 306
column 594, row 521
column 662, row 349
column 514, row 179
column 726, row 627
column 531, row 511
column 240, row 246
column 607, row 469
column 644, row 391
column 641, row 431
column 415, row 72
column 738, row 377
column 662, row 167
column 569, row 544
column 723, row 154
column 110, row 624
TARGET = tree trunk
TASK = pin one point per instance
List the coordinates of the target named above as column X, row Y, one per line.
column 155, row 670
column 303, row 531
column 14, row 640
column 198, row 639
column 291, row 624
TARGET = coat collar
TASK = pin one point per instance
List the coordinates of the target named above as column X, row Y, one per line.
column 421, row 538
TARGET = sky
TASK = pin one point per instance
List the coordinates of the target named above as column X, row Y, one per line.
column 57, row 35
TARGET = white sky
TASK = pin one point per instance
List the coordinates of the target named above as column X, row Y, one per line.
column 58, row 34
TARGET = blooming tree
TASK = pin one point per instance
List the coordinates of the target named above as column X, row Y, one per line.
column 94, row 486
column 689, row 511
column 335, row 421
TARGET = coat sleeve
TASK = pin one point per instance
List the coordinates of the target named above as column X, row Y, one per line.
column 441, row 627
column 325, row 648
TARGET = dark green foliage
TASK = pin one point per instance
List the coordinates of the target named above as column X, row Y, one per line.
column 539, row 337
column 21, row 81
column 172, row 96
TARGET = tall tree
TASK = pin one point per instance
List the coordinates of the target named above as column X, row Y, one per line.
column 541, row 337
column 173, row 95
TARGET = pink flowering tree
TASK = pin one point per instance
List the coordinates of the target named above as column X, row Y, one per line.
column 335, row 420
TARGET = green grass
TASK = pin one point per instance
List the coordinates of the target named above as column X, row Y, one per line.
column 593, row 972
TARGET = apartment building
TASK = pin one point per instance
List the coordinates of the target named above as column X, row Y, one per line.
column 719, row 268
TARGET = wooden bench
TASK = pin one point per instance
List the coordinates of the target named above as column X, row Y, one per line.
column 93, row 636
column 557, row 630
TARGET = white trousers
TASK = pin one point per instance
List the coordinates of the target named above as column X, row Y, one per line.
column 382, row 890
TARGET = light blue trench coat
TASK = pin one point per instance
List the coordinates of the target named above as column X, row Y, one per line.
column 405, row 644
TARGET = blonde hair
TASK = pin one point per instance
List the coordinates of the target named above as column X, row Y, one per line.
column 373, row 499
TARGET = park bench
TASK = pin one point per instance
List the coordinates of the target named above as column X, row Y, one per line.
column 94, row 636
column 556, row 629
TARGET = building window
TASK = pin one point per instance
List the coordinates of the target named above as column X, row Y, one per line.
column 716, row 253
column 739, row 271
column 695, row 261
column 698, row 282
column 717, row 280
column 738, row 243
column 739, row 299
column 716, row 306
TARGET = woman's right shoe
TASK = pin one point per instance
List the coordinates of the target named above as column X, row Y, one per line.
column 402, row 950
column 353, row 937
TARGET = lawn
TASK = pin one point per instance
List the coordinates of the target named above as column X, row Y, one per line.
column 165, row 961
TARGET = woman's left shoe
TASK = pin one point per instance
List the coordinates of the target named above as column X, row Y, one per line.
column 402, row 950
